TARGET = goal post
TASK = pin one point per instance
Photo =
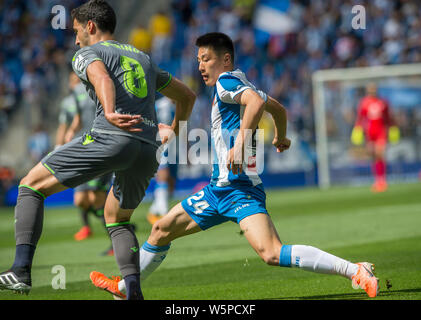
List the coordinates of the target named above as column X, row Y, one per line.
column 347, row 80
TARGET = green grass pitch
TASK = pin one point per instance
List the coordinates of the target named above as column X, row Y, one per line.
column 350, row 222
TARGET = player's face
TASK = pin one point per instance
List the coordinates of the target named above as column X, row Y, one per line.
column 82, row 38
column 210, row 65
column 371, row 89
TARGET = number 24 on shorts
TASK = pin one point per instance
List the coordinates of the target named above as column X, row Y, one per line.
column 200, row 205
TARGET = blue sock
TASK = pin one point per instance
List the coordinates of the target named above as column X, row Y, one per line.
column 285, row 256
column 162, row 184
column 23, row 258
column 133, row 290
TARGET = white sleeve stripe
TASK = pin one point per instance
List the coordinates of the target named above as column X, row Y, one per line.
column 233, row 94
column 228, row 96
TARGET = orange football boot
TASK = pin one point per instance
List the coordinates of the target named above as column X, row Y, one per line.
column 379, row 185
column 111, row 285
column 365, row 279
column 152, row 218
column 84, row 233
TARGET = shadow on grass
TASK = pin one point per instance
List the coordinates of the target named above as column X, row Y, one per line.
column 83, row 290
column 78, row 290
column 349, row 296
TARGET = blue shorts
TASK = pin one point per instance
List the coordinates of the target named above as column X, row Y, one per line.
column 215, row 205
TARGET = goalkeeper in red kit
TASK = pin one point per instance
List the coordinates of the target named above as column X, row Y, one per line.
column 375, row 124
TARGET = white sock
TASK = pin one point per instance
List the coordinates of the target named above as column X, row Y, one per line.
column 150, row 258
column 160, row 202
column 313, row 259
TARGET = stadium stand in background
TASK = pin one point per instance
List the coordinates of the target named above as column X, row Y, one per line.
column 282, row 65
column 34, row 57
column 317, row 35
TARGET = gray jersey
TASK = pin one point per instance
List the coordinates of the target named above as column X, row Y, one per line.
column 85, row 107
column 68, row 109
column 136, row 79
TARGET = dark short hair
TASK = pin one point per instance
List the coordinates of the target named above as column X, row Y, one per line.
column 218, row 41
column 99, row 11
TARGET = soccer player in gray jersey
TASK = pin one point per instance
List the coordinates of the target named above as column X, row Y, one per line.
column 122, row 81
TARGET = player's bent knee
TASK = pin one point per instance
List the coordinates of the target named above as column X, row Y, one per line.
column 41, row 180
column 24, row 181
column 28, row 180
column 81, row 201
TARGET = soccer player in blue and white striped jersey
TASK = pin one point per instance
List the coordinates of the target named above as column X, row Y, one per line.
column 235, row 192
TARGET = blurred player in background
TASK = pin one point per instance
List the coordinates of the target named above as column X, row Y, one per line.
column 375, row 124
column 236, row 192
column 166, row 176
column 68, row 110
column 123, row 82
column 76, row 118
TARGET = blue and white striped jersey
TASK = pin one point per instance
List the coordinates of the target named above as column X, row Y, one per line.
column 225, row 124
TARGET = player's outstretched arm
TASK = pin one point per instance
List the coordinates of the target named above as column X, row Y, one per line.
column 279, row 115
column 184, row 99
column 105, row 91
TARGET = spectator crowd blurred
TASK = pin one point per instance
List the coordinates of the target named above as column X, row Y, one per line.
column 32, row 52
column 282, row 65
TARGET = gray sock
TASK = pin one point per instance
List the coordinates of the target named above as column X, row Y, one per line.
column 29, row 216
column 126, row 248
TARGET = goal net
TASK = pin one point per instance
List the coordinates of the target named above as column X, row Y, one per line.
column 336, row 94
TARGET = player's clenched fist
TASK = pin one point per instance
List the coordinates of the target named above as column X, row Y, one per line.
column 281, row 144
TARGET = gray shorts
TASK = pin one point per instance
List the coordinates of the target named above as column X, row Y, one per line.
column 95, row 154
column 102, row 183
